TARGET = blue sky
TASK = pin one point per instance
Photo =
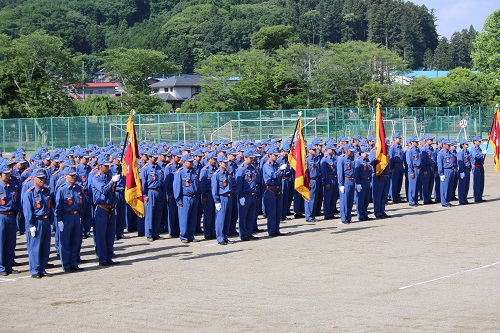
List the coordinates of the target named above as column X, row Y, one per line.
column 455, row 15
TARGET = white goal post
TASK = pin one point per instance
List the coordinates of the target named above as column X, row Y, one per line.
column 151, row 132
column 260, row 128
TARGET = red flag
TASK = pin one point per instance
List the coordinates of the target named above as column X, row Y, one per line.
column 382, row 156
column 297, row 159
column 495, row 138
column 133, row 186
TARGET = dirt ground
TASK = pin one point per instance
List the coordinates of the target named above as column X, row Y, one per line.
column 426, row 269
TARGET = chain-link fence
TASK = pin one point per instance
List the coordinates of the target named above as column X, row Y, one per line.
column 31, row 133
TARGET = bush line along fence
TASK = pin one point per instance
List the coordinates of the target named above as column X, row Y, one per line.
column 31, row 133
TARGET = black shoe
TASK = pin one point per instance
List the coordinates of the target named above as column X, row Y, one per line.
column 386, row 216
column 253, row 238
column 119, row 237
column 281, row 234
column 414, row 205
column 80, row 261
column 77, row 269
column 299, row 216
column 150, row 239
column 210, row 238
column 111, row 262
column 140, row 234
column 233, row 234
column 104, row 264
column 12, row 271
column 257, row 230
column 36, row 276
column 194, row 240
column 157, row 237
column 44, row 274
column 222, row 243
column 185, row 241
column 313, row 220
column 4, row 273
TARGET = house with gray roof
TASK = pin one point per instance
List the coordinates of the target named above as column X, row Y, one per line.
column 176, row 89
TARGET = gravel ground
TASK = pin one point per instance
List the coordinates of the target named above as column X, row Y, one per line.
column 426, row 269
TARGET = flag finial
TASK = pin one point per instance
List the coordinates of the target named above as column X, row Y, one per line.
column 497, row 106
column 379, row 100
column 132, row 112
column 300, row 113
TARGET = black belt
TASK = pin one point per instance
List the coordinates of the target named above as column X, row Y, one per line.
column 154, row 188
column 272, row 186
column 250, row 193
column 431, row 164
column 226, row 194
column 348, row 178
column 332, row 176
column 119, row 191
column 42, row 217
column 417, row 167
column 314, row 178
column 72, row 212
column 10, row 212
column 190, row 195
column 105, row 207
column 366, row 178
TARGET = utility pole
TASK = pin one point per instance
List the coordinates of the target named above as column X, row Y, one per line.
column 83, row 79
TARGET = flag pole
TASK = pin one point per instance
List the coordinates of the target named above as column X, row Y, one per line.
column 497, row 109
column 295, row 131
column 132, row 113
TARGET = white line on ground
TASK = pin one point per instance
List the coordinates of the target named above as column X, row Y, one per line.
column 449, row 276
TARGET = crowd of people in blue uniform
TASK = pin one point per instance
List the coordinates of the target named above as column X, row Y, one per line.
column 215, row 189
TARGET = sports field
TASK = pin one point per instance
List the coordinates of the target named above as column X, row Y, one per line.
column 426, row 269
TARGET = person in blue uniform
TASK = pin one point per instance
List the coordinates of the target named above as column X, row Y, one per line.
column 445, row 164
column 362, row 179
column 396, row 165
column 173, row 212
column 186, row 192
column 232, row 166
column 83, row 169
column 287, row 181
column 102, row 184
column 206, row 196
column 477, row 160
column 9, row 208
column 246, row 189
column 464, row 169
column 69, row 204
column 428, row 181
column 380, row 187
column 345, row 176
column 222, row 186
column 38, row 212
column 313, row 168
column 120, row 204
column 273, row 198
column 328, row 167
column 416, row 170
column 154, row 196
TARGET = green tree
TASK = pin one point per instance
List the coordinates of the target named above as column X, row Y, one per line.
column 487, row 45
column 132, row 67
column 38, row 68
column 273, row 37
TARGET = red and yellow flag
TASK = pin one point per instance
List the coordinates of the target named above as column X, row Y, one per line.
column 495, row 138
column 297, row 159
column 382, row 156
column 133, row 186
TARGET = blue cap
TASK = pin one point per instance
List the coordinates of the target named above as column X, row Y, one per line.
column 39, row 173
column 212, row 155
column 273, row 151
column 357, row 137
column 413, row 139
column 185, row 158
column 231, row 151
column 248, row 153
column 396, row 136
column 117, row 155
column 152, row 152
column 370, row 138
column 366, row 149
column 446, row 142
column 454, row 143
column 330, row 145
column 222, row 158
column 311, row 146
column 177, row 153
column 103, row 159
column 464, row 142
column 198, row 152
column 6, row 168
column 9, row 161
column 317, row 141
column 476, row 138
column 70, row 171
column 343, row 138
column 349, row 147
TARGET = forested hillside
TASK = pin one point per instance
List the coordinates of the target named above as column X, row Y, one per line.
column 191, row 30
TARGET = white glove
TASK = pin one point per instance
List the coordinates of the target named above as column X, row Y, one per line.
column 115, row 178
column 443, row 177
column 218, row 206
column 242, row 201
column 60, row 224
column 359, row 187
column 484, row 151
column 342, row 189
column 283, row 167
column 33, row 231
column 462, row 175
